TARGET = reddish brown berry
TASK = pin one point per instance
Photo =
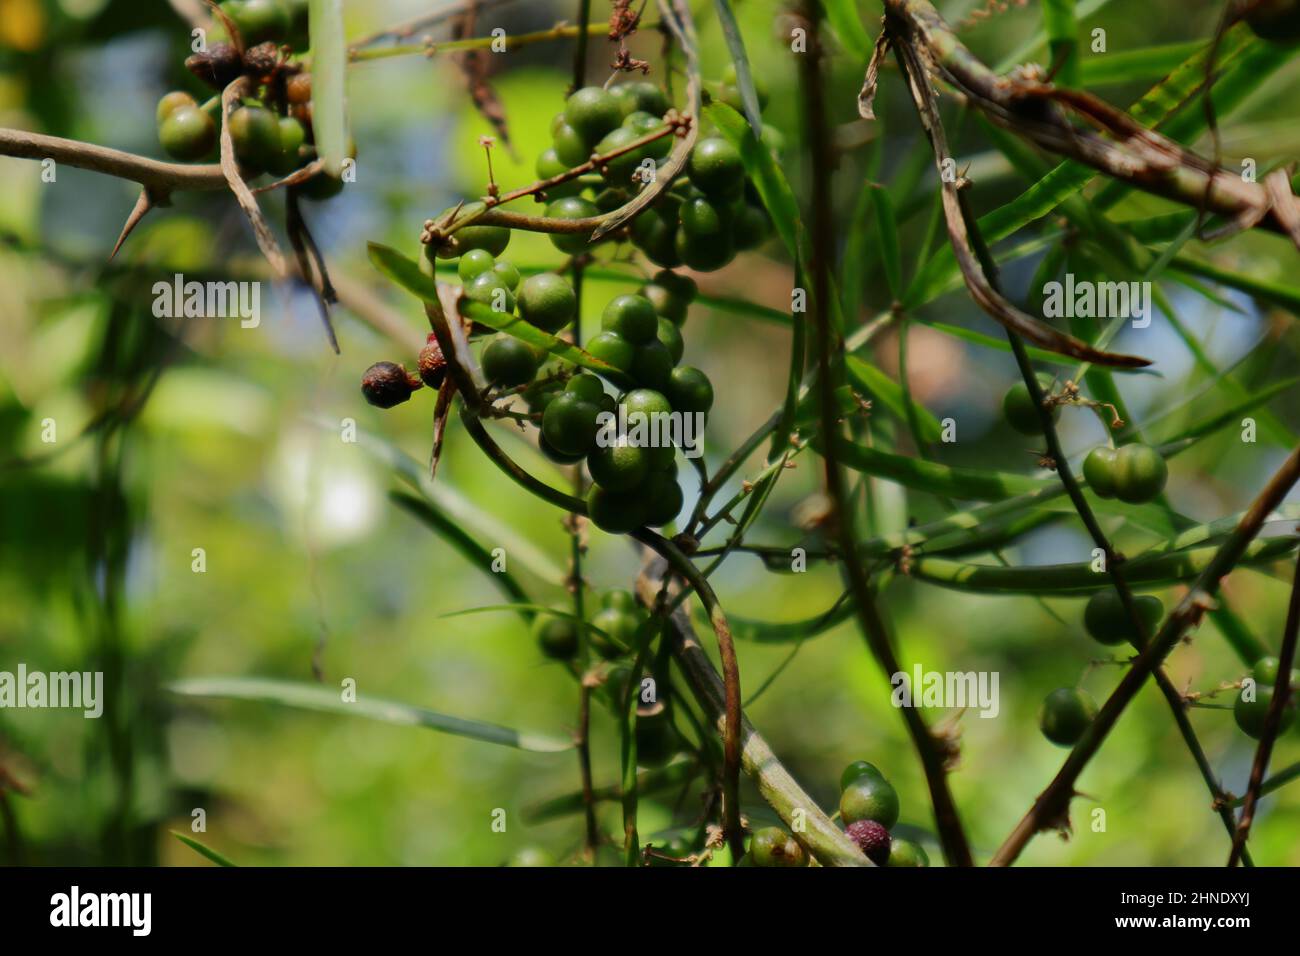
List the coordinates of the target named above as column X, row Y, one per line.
column 872, row 839
column 433, row 364
column 218, row 67
column 386, row 384
column 298, row 88
column 262, row 59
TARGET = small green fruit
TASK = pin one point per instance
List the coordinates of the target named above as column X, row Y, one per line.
column 857, row 769
column 619, row 466
column 571, row 207
column 474, row 263
column 1106, row 621
column 613, row 349
column 259, row 21
column 1065, row 715
column 1018, row 407
column 671, row 337
column 652, row 365
column 662, row 492
column 1266, row 670
column 547, row 301
column 556, row 636
column 1140, row 473
column 906, row 853
column 569, row 424
column 640, row 96
column 473, row 236
column 188, row 133
column 690, row 390
column 773, row 846
column 631, row 316
column 549, row 165
column 509, row 362
column 173, row 101
column 615, row 512
column 870, row 798
column 255, row 133
column 1099, row 471
column 715, row 167
column 592, row 112
column 1251, row 715
column 490, row 289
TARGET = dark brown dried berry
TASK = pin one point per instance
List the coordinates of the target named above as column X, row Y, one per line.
column 433, row 364
column 386, row 384
column 218, row 67
column 262, row 59
column 872, row 839
column 298, row 88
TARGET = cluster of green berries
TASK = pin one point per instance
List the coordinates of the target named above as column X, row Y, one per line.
column 271, row 130
column 612, row 633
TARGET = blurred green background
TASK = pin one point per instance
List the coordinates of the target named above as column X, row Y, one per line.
column 304, row 548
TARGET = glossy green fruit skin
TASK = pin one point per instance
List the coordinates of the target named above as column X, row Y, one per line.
column 292, row 138
column 1274, row 20
column 556, row 636
column 509, row 362
column 613, row 349
column 508, row 273
column 715, row 167
column 618, row 629
column 615, row 512
column 619, row 599
column 656, row 236
column 1107, row 623
column 1251, row 715
column 492, row 238
column 188, row 133
column 703, row 219
column 906, row 853
column 773, row 846
column 619, row 170
column 548, row 165
column 870, row 798
column 704, row 253
column 1099, row 471
column 859, row 768
column 664, row 497
column 680, row 286
column 671, row 338
column 668, row 305
column 173, row 101
column 652, row 365
column 489, row 289
column 750, row 227
column 640, row 96
column 1266, row 670
column 555, row 455
column 571, row 207
column 1140, row 473
column 474, row 263
column 690, row 390
column 324, row 186
column 1019, row 409
column 259, row 21
column 587, row 387
column 643, row 124
column 631, row 316
column 570, row 148
column 618, row 467
column 569, row 424
column 1065, row 715
column 592, row 112
column 255, row 133
column 547, row 301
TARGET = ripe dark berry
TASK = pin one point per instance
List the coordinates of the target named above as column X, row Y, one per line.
column 1018, row 407
column 715, row 167
column 906, row 853
column 631, row 316
column 547, row 301
column 255, row 132
column 773, row 846
column 571, row 207
column 432, row 363
column 872, row 839
column 1099, row 471
column 859, row 768
column 870, row 798
column 218, row 66
column 508, row 361
column 1106, row 622
column 262, row 59
column 556, row 636
column 188, row 133
column 386, row 384
column 297, row 89
column 1065, row 715
column 1140, row 473
column 690, row 390
column 643, row 124
column 592, row 112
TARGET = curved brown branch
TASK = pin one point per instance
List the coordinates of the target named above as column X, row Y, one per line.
column 163, row 178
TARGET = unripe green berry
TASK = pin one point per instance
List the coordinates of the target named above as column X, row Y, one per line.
column 859, row 768
column 1252, row 715
column 571, row 207
column 715, row 167
column 259, row 21
column 592, row 112
column 618, row 466
column 663, row 495
column 557, row 636
column 173, row 101
column 549, row 165
column 1106, row 621
column 474, row 263
column 640, row 96
column 631, row 316
column 1266, row 670
column 509, row 362
column 1065, row 715
column 1018, row 407
column 671, row 337
column 473, row 236
column 508, row 273
column 906, row 853
column 547, row 301
column 1140, row 473
column 187, row 133
column 612, row 349
column 615, row 512
column 255, row 134
column 773, row 846
column 618, row 631
column 490, row 289
column 652, row 365
column 690, row 390
column 569, row 424
column 1099, row 471
column 870, row 798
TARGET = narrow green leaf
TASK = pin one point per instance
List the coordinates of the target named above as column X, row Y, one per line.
column 1128, row 66
column 648, row 782
column 887, row 227
column 530, row 609
column 1028, row 49
column 204, row 850
column 1232, row 414
column 328, row 700
column 406, row 273
column 847, row 25
column 1062, row 39
column 329, row 63
column 785, row 632
column 967, row 483
column 744, row 80
column 879, row 386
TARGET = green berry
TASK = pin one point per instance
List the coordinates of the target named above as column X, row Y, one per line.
column 1140, row 473
column 592, row 112
column 539, row 394
column 773, row 846
column 187, row 133
column 618, row 631
column 474, row 263
column 569, row 424
column 324, row 186
column 255, row 133
column 640, row 96
column 750, row 227
column 1065, row 715
column 556, row 636
column 615, row 512
column 652, row 365
column 859, row 768
column 619, row 599
column 292, row 138
column 508, row 273
column 715, row 167
column 570, row 148
column 587, row 387
column 702, row 218
column 1106, row 621
column 632, row 317
column 690, row 390
column 531, row 856
column 474, row 236
column 1251, row 715
column 490, row 289
column 259, row 21
column 547, row 301
column 173, row 101
column 643, row 124
column 1018, row 407
column 657, row 740
column 671, row 337
column 906, row 853
column 669, row 305
column 663, row 495
column 1266, row 670
column 555, row 455
column 619, row 170
column 1099, row 471
column 612, row 349
column 656, row 236
column 618, row 466
column 869, row 798
column 548, row 165
column 703, row 253
column 571, row 207
column 509, row 362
